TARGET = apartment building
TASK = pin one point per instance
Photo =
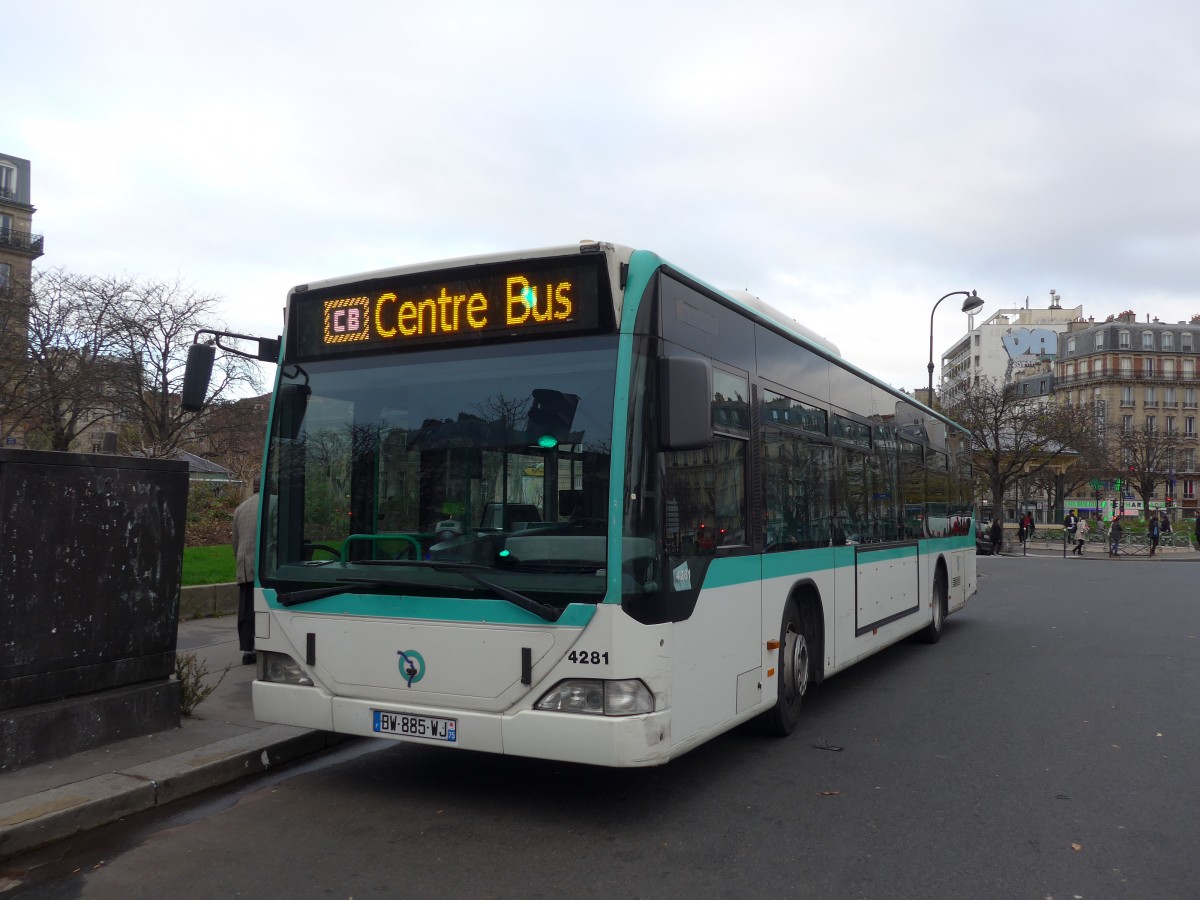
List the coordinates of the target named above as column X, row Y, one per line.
column 1140, row 374
column 19, row 247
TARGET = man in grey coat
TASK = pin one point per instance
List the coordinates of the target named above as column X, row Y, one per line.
column 245, row 530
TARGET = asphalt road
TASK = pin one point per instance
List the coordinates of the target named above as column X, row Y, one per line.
column 1047, row 747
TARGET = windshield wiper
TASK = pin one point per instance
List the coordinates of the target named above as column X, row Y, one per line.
column 292, row 598
column 467, row 570
column 558, row 566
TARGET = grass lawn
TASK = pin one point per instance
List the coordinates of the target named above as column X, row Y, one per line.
column 209, row 565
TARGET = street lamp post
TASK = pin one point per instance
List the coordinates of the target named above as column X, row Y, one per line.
column 972, row 303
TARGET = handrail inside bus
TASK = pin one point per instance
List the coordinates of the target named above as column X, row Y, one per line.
column 383, row 536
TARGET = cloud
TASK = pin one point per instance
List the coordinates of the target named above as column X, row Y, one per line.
column 847, row 162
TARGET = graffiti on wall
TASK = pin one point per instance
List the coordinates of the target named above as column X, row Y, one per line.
column 1027, row 347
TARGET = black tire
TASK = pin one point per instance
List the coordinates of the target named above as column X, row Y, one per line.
column 932, row 633
column 795, row 671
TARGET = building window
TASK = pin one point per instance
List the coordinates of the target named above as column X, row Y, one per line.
column 1189, row 397
column 1170, row 424
column 5, row 277
column 1127, row 366
column 1189, row 490
column 1168, row 340
column 1169, row 396
column 1151, row 397
column 1147, row 340
column 1149, row 423
column 1123, row 340
column 1070, row 345
column 1188, row 367
column 1185, row 342
column 1148, row 367
column 8, row 180
column 6, row 222
column 1169, row 368
column 1189, row 425
column 1100, row 340
column 976, row 340
column 1127, row 395
column 1127, row 423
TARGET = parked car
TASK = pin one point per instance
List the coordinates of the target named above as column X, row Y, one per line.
column 983, row 543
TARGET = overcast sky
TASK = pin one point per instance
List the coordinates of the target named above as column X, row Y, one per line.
column 849, row 162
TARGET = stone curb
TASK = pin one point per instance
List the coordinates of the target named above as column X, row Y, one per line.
column 40, row 819
column 203, row 601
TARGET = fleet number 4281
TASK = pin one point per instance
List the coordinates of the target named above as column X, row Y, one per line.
column 588, row 657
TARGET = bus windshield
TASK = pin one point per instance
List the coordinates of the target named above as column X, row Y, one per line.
column 412, row 470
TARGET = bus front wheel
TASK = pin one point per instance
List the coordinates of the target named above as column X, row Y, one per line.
column 795, row 667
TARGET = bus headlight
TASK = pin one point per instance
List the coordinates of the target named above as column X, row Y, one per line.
column 281, row 669
column 595, row 696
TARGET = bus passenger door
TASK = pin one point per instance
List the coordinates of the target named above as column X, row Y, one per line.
column 717, row 669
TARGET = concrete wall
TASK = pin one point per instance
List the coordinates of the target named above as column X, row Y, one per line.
column 91, row 552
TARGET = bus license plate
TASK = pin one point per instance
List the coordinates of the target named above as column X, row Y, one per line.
column 413, row 725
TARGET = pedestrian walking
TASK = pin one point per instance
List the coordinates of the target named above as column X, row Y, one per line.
column 1152, row 527
column 1026, row 530
column 1196, row 530
column 997, row 535
column 1070, row 523
column 245, row 530
column 1114, row 537
column 1081, row 534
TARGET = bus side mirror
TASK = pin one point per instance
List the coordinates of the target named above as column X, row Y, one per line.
column 685, row 402
column 196, row 375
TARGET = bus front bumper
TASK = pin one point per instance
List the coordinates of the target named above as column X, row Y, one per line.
column 619, row 741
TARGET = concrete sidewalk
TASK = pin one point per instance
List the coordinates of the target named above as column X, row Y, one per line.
column 220, row 742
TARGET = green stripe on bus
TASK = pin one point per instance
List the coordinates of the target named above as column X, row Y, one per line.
column 434, row 609
column 642, row 266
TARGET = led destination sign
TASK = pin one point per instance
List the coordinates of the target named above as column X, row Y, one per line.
column 520, row 299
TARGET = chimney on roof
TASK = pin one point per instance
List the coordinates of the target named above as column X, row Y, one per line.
column 1054, row 298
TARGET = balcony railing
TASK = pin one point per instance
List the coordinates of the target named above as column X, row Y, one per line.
column 1112, row 373
column 21, row 240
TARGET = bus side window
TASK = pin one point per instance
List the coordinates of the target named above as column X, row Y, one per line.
column 796, row 491
column 706, row 490
column 852, row 520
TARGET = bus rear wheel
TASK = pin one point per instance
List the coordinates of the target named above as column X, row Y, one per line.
column 932, row 633
column 795, row 668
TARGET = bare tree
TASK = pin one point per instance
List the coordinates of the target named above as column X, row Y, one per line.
column 1015, row 436
column 233, row 434
column 62, row 355
column 73, row 354
column 1083, row 429
column 1147, row 458
column 76, row 350
column 158, row 322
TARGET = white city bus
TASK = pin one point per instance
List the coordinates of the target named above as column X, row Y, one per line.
column 576, row 504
